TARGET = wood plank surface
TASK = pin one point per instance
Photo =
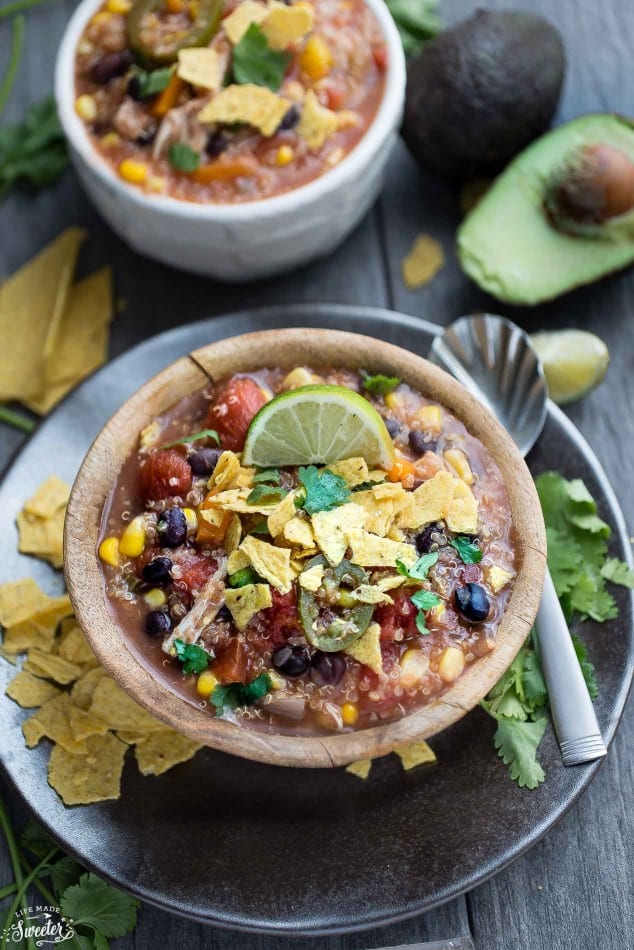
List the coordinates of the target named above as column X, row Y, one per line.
column 573, row 891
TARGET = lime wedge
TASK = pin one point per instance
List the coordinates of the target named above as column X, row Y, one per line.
column 574, row 362
column 316, row 425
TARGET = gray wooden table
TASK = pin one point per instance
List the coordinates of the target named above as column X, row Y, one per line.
column 574, row 890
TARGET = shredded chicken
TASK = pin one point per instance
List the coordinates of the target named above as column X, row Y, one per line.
column 182, row 125
column 205, row 610
column 132, row 121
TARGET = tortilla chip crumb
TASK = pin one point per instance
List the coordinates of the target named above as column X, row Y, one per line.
column 29, row 691
column 416, row 753
column 423, row 262
column 361, row 768
column 92, row 777
column 163, row 750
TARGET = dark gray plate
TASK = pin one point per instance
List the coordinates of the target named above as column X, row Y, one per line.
column 255, row 847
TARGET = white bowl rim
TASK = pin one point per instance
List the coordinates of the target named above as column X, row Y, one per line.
column 348, row 169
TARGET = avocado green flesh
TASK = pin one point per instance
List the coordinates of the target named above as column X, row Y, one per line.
column 507, row 244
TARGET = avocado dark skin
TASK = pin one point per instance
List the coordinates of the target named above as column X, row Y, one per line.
column 478, row 93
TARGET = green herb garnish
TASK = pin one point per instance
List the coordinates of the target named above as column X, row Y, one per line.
column 182, row 157
column 151, row 83
column 323, row 491
column 260, row 527
column 424, row 600
column 16, row 419
column 266, row 495
column 246, row 576
column 33, row 150
column 192, row 657
column 416, row 21
column 379, row 385
column 196, row 437
column 94, row 904
column 232, row 695
column 618, row 572
column 255, row 62
column 267, row 475
column 468, row 551
column 420, row 568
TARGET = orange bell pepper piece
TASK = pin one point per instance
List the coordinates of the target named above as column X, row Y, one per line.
column 167, row 99
column 224, row 170
column 401, row 471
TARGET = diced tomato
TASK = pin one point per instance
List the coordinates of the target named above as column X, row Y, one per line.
column 194, row 569
column 232, row 663
column 334, row 97
column 471, row 574
column 233, row 409
column 282, row 618
column 379, row 54
column 165, row 474
column 401, row 615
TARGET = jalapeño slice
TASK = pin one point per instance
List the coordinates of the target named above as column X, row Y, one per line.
column 152, row 44
column 334, row 621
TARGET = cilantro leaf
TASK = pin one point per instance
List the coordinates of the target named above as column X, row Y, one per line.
column 533, row 681
column 267, row 475
column 425, row 599
column 324, row 490
column 587, row 667
column 100, row 906
column 148, row 84
column 33, row 838
column 196, row 437
column 516, row 743
column 421, row 623
column 379, row 385
column 420, row 568
column 64, row 873
column 243, row 577
column 192, row 657
column 618, row 572
column 33, row 150
column 266, row 494
column 182, row 157
column 468, row 551
column 260, row 527
column 255, row 62
column 416, row 21
column 232, row 695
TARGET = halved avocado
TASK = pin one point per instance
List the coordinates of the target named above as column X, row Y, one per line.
column 560, row 215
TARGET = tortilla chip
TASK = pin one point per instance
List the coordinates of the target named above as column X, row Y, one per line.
column 73, row 645
column 423, row 262
column 32, row 302
column 497, row 577
column 379, row 512
column 270, row 562
column 281, row 514
column 284, row 25
column 237, row 561
column 92, row 777
column 52, row 721
column 332, row 529
column 428, row 503
column 462, row 516
column 51, row 667
column 255, row 105
column 21, row 600
column 238, row 22
column 111, row 704
column 355, row 470
column 245, row 602
column 235, row 499
column 370, row 594
column 201, row 66
column 361, row 768
column 370, row 551
column 416, row 753
column 367, row 649
column 83, row 724
column 29, row 691
column 130, row 737
column 312, row 578
column 49, row 497
column 391, row 582
column 84, row 688
column 224, row 473
column 298, row 533
column 164, row 750
column 42, row 537
column 317, row 123
column 233, row 535
column 29, row 634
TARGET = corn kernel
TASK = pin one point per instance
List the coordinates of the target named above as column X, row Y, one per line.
column 300, row 376
column 109, row 140
column 316, row 58
column 109, row 551
column 134, row 172
column 349, row 713
column 285, row 154
column 155, row 598
column 206, row 684
column 451, row 664
column 458, row 461
column 119, row 6
column 430, row 418
column 100, row 18
column 132, row 543
column 86, row 108
column 191, row 518
column 392, row 401
column 414, row 666
column 277, row 681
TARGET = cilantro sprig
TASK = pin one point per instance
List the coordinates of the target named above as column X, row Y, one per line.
column 193, row 659
column 255, row 62
column 231, row 695
column 423, row 600
column 183, row 157
column 196, row 437
column 468, row 551
column 379, row 385
column 416, row 21
column 323, row 490
column 34, row 150
column 266, row 494
column 150, row 83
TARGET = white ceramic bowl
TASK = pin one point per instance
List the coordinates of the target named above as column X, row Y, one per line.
column 243, row 241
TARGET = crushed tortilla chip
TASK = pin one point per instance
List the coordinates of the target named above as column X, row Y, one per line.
column 245, row 602
column 416, row 753
column 42, row 537
column 21, row 600
column 84, row 688
column 200, row 66
column 311, row 579
column 163, row 750
column 83, row 724
column 51, row 720
column 429, row 502
column 73, row 645
column 270, row 562
column 29, row 691
column 367, row 649
column 235, row 499
column 462, row 517
column 298, row 533
column 423, row 262
column 368, row 550
column 497, row 577
column 317, row 123
column 238, row 22
column 379, row 512
column 281, row 514
column 223, row 475
column 370, row 594
column 49, row 497
column 354, row 471
column 111, row 704
column 51, row 667
column 391, row 581
column 233, row 535
column 332, row 529
column 255, row 105
column 92, row 777
column 237, row 561
column 284, row 25
column 360, row 768
column 29, row 633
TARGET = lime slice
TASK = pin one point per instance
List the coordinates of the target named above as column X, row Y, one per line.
column 316, row 425
column 574, row 362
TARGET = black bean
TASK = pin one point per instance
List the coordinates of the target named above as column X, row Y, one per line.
column 157, row 571
column 290, row 118
column 292, row 661
column 204, row 461
column 424, row 540
column 420, row 444
column 216, row 144
column 147, row 135
column 393, row 427
column 472, row 602
column 224, row 615
column 157, row 623
column 133, row 89
column 326, row 669
column 172, row 527
column 111, row 65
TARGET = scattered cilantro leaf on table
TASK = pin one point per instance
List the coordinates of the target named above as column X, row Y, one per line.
column 416, row 21
column 380, row 385
column 192, row 657
column 33, row 150
column 468, row 551
column 255, row 62
column 104, row 909
column 232, row 695
column 517, row 744
column 587, row 668
column 618, row 572
column 323, row 490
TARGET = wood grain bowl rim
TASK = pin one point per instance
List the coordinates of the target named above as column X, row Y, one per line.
column 287, row 348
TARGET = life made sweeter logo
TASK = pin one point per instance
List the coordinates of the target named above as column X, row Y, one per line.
column 44, row 925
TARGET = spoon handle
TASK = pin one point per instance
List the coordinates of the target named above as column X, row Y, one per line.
column 572, row 711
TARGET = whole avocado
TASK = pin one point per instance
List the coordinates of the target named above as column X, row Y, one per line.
column 478, row 93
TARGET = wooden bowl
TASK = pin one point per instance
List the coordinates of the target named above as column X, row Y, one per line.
column 289, row 348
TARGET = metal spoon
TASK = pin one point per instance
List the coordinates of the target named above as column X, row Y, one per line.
column 494, row 359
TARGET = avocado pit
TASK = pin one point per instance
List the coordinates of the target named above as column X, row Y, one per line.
column 596, row 186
